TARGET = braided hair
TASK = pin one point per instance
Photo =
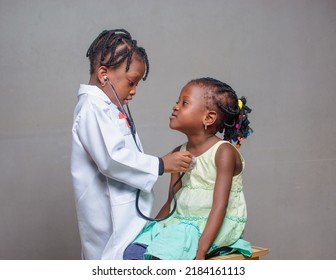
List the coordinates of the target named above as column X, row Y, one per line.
column 233, row 112
column 112, row 47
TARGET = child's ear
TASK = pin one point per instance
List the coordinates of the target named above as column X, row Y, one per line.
column 210, row 118
column 101, row 73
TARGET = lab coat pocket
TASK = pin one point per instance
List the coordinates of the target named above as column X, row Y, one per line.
column 124, row 198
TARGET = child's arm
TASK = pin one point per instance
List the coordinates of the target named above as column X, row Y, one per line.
column 104, row 141
column 225, row 160
column 166, row 207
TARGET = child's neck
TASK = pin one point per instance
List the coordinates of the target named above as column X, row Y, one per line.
column 198, row 145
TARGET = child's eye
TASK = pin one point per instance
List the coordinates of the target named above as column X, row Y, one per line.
column 183, row 103
column 132, row 83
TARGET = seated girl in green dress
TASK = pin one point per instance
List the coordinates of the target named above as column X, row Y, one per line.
column 211, row 208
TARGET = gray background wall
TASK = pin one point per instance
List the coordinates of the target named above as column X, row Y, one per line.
column 280, row 54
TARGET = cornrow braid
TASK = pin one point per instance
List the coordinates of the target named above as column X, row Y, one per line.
column 233, row 112
column 112, row 47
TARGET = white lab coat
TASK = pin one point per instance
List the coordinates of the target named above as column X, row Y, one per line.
column 107, row 169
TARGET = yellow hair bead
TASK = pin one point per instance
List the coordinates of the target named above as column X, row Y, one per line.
column 240, row 104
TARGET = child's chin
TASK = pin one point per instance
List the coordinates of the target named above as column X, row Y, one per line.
column 172, row 126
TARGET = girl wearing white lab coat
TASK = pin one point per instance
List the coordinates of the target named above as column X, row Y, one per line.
column 107, row 162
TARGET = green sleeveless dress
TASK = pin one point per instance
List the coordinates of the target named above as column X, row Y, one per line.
column 176, row 238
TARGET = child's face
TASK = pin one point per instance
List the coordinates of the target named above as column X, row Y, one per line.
column 125, row 83
column 189, row 111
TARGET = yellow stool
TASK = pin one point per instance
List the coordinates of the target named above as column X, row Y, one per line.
column 257, row 252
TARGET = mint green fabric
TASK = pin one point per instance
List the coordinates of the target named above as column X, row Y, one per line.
column 183, row 246
column 177, row 237
column 241, row 246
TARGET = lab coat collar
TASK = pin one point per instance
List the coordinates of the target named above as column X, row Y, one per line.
column 95, row 91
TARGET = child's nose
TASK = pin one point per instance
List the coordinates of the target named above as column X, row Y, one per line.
column 133, row 91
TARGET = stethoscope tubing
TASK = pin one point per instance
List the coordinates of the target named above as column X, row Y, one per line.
column 170, row 213
column 131, row 123
column 128, row 115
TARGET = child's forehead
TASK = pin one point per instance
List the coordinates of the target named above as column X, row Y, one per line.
column 193, row 88
column 193, row 92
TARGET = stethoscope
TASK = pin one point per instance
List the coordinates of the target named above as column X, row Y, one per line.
column 129, row 119
column 128, row 116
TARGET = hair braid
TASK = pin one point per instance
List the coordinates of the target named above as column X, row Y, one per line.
column 112, row 47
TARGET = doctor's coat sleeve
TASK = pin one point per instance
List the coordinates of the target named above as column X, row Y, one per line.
column 104, row 141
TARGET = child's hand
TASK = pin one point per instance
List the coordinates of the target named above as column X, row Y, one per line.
column 177, row 161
